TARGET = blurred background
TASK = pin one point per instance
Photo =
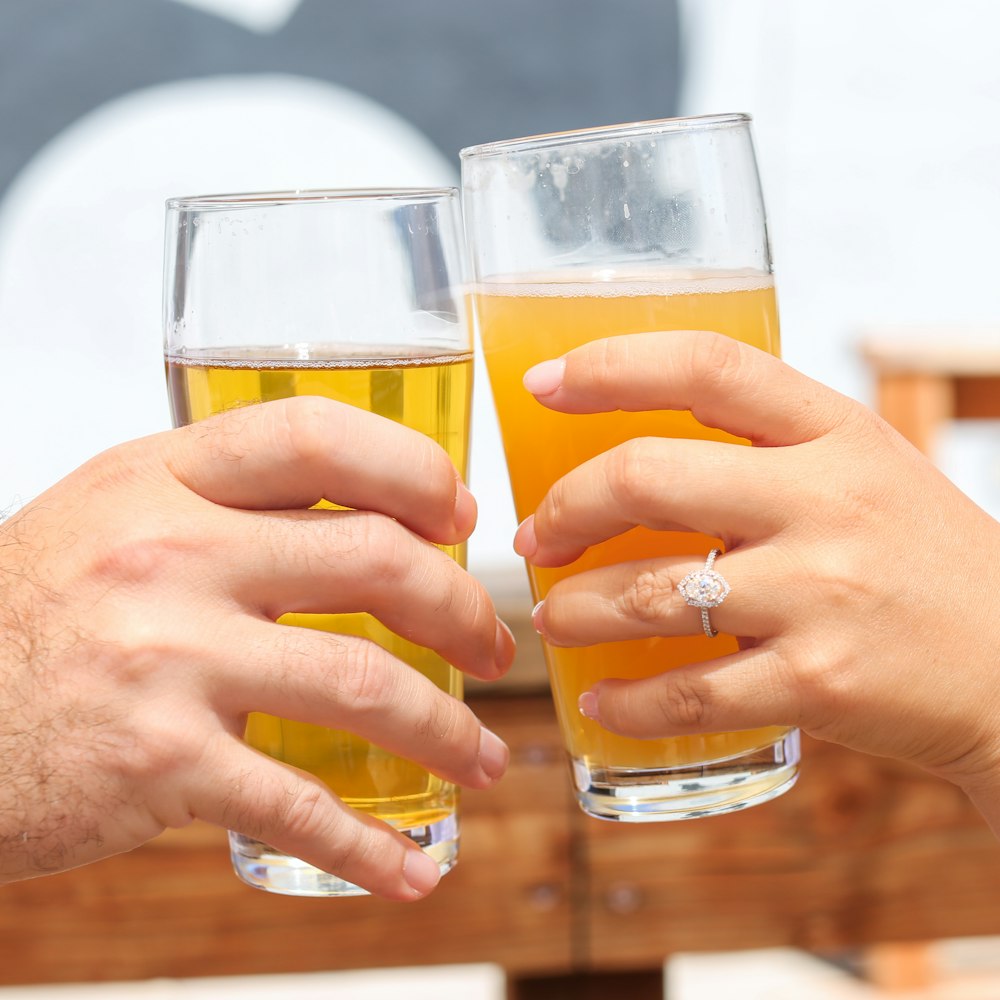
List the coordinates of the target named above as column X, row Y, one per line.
column 110, row 106
column 877, row 128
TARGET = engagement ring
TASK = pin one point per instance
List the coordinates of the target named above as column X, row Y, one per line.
column 705, row 588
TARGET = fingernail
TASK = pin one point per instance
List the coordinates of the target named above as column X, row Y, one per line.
column 544, row 379
column 505, row 647
column 536, row 618
column 466, row 510
column 421, row 872
column 525, row 542
column 587, row 704
column 493, row 754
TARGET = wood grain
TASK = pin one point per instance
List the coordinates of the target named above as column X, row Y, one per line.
column 173, row 908
column 861, row 851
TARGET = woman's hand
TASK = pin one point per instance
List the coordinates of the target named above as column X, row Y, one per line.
column 865, row 586
column 138, row 607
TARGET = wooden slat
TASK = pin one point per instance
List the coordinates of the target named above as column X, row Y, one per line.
column 977, row 398
column 173, row 908
column 938, row 350
column 895, row 967
column 917, row 405
column 863, row 850
column 640, row 985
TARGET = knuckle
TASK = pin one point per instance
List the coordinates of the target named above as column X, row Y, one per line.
column 682, row 704
column 461, row 599
column 819, row 685
column 148, row 750
column 367, row 681
column 819, row 677
column 301, row 427
column 305, row 814
column 450, row 728
column 116, row 467
column 859, row 427
column 603, row 363
column 385, row 546
column 434, row 470
column 135, row 658
column 650, row 597
column 293, row 655
column 138, row 560
column 224, row 437
column 634, row 476
column 722, row 358
column 551, row 513
column 842, row 579
column 449, row 601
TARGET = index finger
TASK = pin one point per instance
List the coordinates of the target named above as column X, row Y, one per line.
column 724, row 383
column 292, row 453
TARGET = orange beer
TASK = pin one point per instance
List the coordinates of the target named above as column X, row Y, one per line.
column 594, row 233
column 530, row 320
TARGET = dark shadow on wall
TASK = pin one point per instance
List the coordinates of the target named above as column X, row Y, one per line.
column 462, row 71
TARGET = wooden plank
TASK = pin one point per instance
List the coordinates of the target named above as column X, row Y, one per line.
column 636, row 985
column 977, row 398
column 863, row 850
column 897, row 967
column 173, row 908
column 938, row 350
column 916, row 405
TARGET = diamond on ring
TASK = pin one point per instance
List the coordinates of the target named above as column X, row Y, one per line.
column 705, row 588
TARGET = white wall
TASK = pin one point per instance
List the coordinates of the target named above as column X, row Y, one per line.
column 81, row 259
column 878, row 133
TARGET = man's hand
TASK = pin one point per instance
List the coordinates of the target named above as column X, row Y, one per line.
column 138, row 607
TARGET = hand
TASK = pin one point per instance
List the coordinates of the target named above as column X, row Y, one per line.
column 865, row 586
column 138, row 600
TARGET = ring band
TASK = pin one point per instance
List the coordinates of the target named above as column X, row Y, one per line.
column 704, row 589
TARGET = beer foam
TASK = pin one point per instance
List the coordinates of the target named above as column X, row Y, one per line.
column 613, row 283
column 317, row 356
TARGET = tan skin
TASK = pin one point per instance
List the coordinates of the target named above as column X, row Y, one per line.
column 864, row 584
column 138, row 603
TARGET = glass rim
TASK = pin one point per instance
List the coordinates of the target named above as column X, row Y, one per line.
column 269, row 199
column 656, row 126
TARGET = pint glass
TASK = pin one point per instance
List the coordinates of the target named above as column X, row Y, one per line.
column 356, row 296
column 654, row 226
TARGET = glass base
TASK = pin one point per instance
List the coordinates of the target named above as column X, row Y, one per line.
column 263, row 867
column 689, row 792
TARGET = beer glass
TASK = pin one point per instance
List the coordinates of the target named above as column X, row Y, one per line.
column 357, row 296
column 583, row 235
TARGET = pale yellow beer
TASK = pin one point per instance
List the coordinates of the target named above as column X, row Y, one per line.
column 356, row 295
column 530, row 320
column 429, row 393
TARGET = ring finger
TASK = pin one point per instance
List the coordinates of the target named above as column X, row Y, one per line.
column 643, row 599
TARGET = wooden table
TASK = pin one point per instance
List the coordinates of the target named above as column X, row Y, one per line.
column 863, row 852
column 929, row 376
